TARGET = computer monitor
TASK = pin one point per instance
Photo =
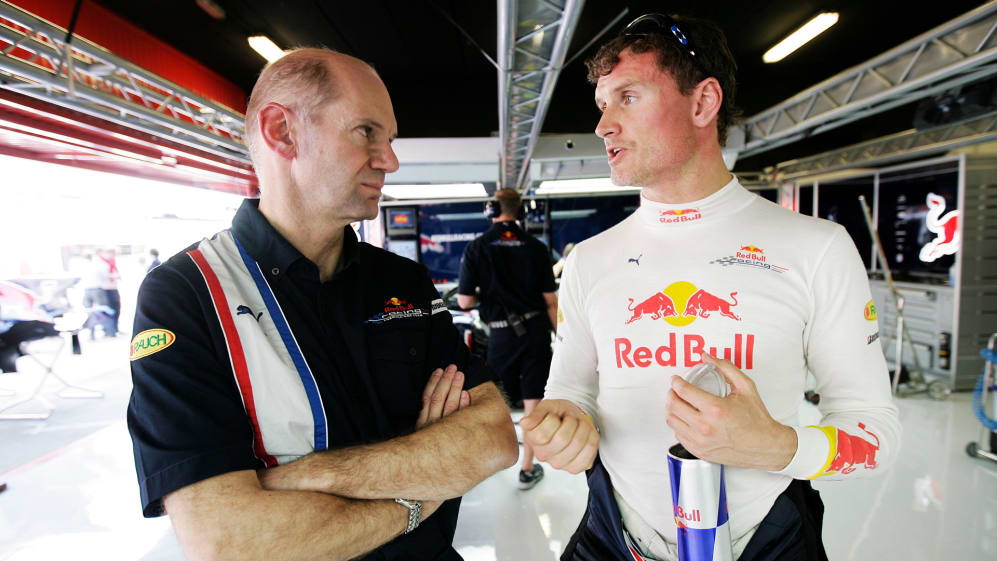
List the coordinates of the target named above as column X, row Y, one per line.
column 400, row 221
column 838, row 201
column 405, row 248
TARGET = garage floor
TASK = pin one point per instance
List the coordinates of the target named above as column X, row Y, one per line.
column 72, row 493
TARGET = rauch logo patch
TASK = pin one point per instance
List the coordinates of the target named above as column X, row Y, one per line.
column 151, row 341
column 870, row 311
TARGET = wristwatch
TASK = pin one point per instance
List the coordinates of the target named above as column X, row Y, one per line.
column 414, row 513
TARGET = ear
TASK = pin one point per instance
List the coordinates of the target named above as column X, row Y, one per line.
column 707, row 99
column 275, row 130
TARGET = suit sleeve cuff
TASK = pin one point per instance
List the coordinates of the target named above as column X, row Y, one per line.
column 813, row 449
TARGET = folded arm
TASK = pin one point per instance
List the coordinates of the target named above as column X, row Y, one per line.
column 231, row 516
column 440, row 461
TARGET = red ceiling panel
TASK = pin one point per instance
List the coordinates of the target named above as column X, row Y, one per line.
column 124, row 39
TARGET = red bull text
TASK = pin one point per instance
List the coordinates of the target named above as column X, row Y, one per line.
column 679, row 215
column 687, row 354
column 699, row 503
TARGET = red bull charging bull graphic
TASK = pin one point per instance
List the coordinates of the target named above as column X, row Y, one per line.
column 945, row 228
column 680, row 304
column 849, row 452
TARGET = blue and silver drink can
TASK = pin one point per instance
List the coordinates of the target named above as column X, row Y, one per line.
column 699, row 494
column 699, row 503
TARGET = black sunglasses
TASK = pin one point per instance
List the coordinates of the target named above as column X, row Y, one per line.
column 660, row 24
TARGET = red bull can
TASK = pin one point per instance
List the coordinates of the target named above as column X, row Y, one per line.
column 699, row 502
column 699, row 494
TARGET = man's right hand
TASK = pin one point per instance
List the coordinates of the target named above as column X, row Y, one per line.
column 443, row 395
column 561, row 435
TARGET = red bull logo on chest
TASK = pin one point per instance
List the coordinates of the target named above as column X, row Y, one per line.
column 680, row 304
column 754, row 253
column 693, row 302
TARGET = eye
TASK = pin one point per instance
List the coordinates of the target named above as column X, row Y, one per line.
column 628, row 99
column 365, row 130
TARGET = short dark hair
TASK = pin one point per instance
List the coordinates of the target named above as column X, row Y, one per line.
column 154, row 252
column 712, row 53
column 509, row 200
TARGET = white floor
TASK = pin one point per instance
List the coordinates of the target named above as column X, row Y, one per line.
column 72, row 492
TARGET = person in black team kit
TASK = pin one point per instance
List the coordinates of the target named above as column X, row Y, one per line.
column 519, row 303
column 298, row 394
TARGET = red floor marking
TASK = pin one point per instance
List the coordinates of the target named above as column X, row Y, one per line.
column 46, row 458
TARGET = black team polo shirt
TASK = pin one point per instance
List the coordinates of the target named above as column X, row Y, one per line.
column 186, row 416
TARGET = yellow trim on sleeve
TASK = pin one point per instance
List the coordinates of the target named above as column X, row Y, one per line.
column 832, row 439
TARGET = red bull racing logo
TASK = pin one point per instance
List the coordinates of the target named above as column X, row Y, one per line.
column 750, row 256
column 396, row 305
column 679, row 215
column 680, row 304
column 396, row 308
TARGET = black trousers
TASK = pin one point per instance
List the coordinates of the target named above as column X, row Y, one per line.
column 791, row 531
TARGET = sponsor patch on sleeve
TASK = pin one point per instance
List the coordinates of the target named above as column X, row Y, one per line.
column 848, row 452
column 560, row 316
column 870, row 311
column 151, row 341
column 437, row 306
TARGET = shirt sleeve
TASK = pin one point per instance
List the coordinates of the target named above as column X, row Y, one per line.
column 185, row 414
column 446, row 346
column 468, row 272
column 859, row 432
column 574, row 369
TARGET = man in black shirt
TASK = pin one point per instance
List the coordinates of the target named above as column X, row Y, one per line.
column 519, row 303
column 298, row 394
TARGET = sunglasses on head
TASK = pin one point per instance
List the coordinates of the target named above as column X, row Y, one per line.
column 660, row 24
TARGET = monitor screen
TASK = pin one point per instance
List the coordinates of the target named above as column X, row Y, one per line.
column 445, row 230
column 838, row 202
column 918, row 220
column 405, row 248
column 805, row 202
column 401, row 220
column 574, row 219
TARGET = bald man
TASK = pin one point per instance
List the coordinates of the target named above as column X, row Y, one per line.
column 299, row 394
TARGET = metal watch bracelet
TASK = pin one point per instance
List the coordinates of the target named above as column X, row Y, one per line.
column 414, row 513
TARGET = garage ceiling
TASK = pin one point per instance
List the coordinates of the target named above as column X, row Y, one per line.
column 443, row 86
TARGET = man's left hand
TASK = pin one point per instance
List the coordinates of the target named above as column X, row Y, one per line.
column 736, row 430
column 444, row 394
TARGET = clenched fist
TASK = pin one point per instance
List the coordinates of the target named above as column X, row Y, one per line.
column 561, row 435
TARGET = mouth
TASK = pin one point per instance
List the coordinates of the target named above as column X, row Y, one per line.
column 375, row 186
column 615, row 153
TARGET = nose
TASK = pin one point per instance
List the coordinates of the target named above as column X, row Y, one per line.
column 607, row 126
column 384, row 159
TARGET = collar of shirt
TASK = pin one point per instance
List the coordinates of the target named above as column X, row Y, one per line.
column 722, row 205
column 271, row 250
column 506, row 225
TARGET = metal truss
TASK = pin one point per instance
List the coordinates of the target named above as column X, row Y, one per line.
column 533, row 39
column 961, row 51
column 91, row 80
column 902, row 146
